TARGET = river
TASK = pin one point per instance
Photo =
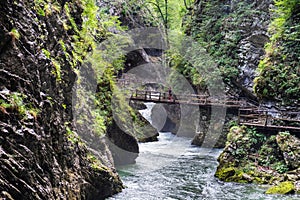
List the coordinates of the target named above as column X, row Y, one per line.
column 172, row 168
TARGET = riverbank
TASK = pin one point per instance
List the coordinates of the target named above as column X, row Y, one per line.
column 254, row 157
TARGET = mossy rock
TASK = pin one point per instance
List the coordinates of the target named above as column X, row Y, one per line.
column 231, row 174
column 258, row 180
column 224, row 173
column 283, row 188
column 235, row 133
column 241, row 177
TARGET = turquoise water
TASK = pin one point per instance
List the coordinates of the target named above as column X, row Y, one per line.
column 173, row 169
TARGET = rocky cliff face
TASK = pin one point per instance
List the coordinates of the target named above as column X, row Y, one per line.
column 235, row 32
column 279, row 75
column 40, row 155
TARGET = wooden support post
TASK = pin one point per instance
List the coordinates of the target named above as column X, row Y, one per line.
column 159, row 96
column 239, row 116
column 266, row 116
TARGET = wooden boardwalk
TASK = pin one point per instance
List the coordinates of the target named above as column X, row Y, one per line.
column 269, row 120
column 189, row 99
column 248, row 114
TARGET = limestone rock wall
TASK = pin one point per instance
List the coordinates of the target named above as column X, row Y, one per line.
column 235, row 32
column 39, row 156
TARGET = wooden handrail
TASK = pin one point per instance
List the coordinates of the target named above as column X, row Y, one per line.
column 247, row 115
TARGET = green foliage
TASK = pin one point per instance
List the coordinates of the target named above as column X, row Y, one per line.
column 191, row 60
column 285, row 133
column 279, row 73
column 46, row 7
column 5, row 104
column 232, row 123
column 280, row 167
column 57, row 69
column 240, row 153
column 15, row 101
column 141, row 10
column 256, row 137
column 218, row 28
column 47, row 53
column 34, row 111
column 90, row 23
column 71, row 136
column 84, row 39
column 95, row 163
column 15, row 34
column 170, row 12
column 104, row 61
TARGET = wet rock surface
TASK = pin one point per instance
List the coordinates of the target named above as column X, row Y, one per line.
column 166, row 118
column 37, row 158
column 145, row 132
column 124, row 146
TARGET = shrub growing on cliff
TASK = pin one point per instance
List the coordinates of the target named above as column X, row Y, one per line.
column 14, row 101
column 279, row 71
column 14, row 33
column 219, row 28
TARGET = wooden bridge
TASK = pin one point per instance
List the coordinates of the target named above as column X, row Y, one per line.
column 189, row 99
column 248, row 114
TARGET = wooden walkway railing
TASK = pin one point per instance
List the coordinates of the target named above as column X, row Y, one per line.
column 190, row 99
column 269, row 120
column 248, row 115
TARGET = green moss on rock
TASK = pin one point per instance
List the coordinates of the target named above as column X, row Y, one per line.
column 235, row 132
column 224, row 173
column 232, row 174
column 283, row 188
